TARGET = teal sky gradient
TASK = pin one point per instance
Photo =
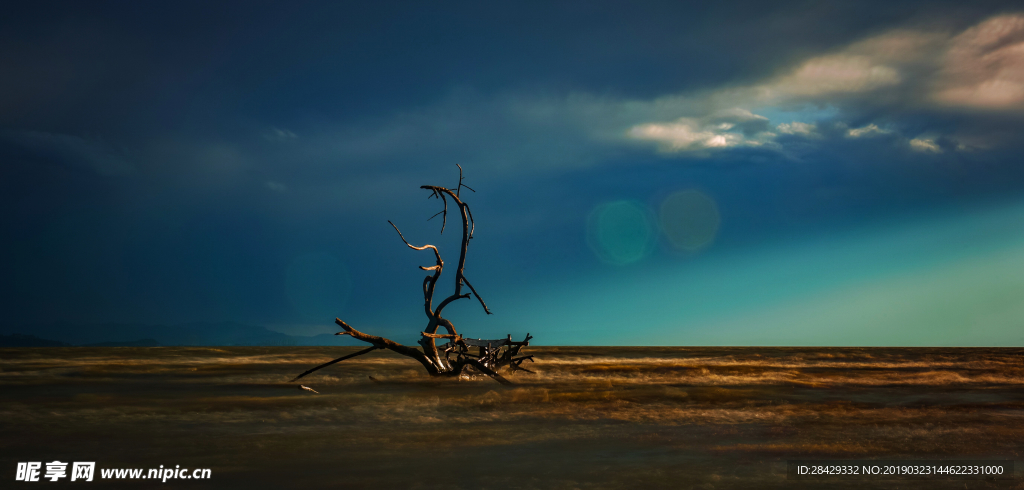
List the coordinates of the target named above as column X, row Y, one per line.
column 944, row 279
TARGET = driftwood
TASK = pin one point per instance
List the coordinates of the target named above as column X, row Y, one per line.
column 455, row 356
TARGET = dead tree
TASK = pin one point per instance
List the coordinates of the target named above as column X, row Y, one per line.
column 455, row 356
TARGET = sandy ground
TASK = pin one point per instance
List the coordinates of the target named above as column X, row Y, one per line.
column 590, row 417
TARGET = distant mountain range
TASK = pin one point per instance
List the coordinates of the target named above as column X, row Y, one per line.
column 141, row 335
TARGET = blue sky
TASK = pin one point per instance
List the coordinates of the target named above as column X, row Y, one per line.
column 728, row 173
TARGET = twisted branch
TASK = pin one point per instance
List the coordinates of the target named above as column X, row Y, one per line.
column 436, row 252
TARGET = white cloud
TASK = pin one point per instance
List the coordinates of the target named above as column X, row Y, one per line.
column 922, row 69
column 869, row 130
column 872, row 64
column 860, row 69
column 981, row 67
column 984, row 66
column 827, row 75
column 684, row 134
column 925, row 145
column 723, row 129
column 799, row 128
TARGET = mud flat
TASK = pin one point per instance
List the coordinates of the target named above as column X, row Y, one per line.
column 591, row 417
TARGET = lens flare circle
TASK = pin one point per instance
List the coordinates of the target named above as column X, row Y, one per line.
column 621, row 232
column 689, row 219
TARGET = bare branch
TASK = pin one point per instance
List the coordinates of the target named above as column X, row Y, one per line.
column 477, row 295
column 459, row 188
column 447, row 324
column 342, row 358
column 461, row 185
column 435, row 215
column 436, row 253
column 444, row 213
column 428, row 293
column 441, row 336
column 383, row 343
column 483, row 369
column 447, row 300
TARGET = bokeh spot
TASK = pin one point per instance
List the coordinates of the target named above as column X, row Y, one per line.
column 689, row 220
column 620, row 232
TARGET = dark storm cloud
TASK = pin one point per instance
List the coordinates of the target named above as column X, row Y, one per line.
column 34, row 148
column 174, row 160
column 167, row 62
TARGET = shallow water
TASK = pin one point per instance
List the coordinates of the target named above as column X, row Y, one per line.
column 591, row 417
